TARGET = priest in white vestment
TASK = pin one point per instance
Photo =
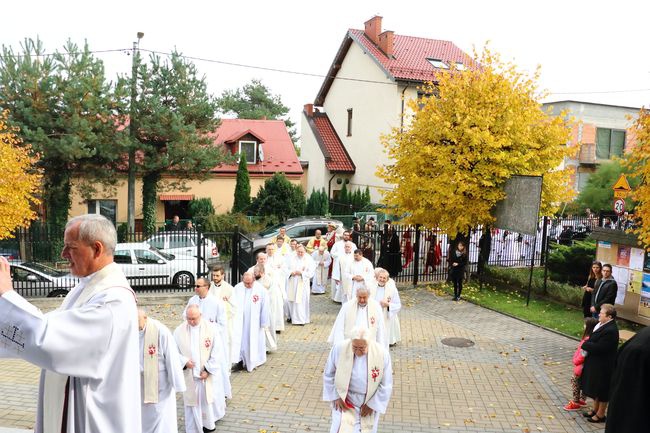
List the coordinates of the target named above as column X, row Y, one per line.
column 212, row 308
column 248, row 347
column 363, row 311
column 358, row 382
column 221, row 289
column 201, row 348
column 299, row 270
column 274, row 267
column 322, row 260
column 271, row 292
column 385, row 292
column 338, row 250
column 360, row 273
column 88, row 347
column 342, row 283
column 161, row 376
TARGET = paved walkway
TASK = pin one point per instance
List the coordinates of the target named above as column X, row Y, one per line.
column 514, row 379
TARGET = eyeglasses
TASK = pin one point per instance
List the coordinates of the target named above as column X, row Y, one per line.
column 199, row 285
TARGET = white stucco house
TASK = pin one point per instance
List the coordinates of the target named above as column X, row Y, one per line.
column 363, row 97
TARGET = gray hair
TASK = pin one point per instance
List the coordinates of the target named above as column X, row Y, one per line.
column 381, row 271
column 261, row 254
column 359, row 333
column 95, row 228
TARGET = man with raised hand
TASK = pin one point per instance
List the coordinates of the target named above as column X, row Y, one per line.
column 88, row 347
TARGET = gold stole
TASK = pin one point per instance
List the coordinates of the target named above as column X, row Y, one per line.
column 373, row 310
column 206, row 343
column 342, row 377
column 54, row 384
column 150, row 354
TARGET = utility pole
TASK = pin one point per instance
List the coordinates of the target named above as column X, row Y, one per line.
column 132, row 134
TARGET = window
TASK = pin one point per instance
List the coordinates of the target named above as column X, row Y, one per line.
column 181, row 241
column 108, row 208
column 311, row 230
column 146, row 257
column 460, row 66
column 122, row 256
column 24, row 275
column 439, row 64
column 296, row 232
column 609, row 143
column 582, row 179
column 250, row 148
column 349, row 122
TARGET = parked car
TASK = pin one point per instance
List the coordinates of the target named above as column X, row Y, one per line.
column 184, row 242
column 35, row 279
column 11, row 254
column 144, row 266
column 301, row 229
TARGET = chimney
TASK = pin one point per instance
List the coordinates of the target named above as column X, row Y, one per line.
column 386, row 42
column 373, row 28
column 309, row 110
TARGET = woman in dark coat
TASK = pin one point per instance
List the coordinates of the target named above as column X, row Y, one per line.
column 599, row 362
column 457, row 262
column 630, row 398
column 595, row 273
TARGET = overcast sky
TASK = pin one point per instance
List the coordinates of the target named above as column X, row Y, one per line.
column 582, row 46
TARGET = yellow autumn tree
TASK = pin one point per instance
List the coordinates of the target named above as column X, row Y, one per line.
column 18, row 181
column 639, row 161
column 478, row 128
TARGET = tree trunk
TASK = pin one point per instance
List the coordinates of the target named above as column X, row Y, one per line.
column 149, row 190
column 58, row 203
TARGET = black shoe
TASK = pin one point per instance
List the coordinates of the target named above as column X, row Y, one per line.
column 205, row 430
column 278, row 332
column 289, row 320
column 589, row 414
column 238, row 366
column 597, row 420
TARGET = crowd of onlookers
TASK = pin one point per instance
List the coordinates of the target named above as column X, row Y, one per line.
column 615, row 379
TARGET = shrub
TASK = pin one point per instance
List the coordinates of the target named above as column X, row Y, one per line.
column 517, row 278
column 200, row 209
column 570, row 264
column 229, row 221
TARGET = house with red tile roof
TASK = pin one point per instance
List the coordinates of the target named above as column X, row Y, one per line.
column 364, row 96
column 268, row 149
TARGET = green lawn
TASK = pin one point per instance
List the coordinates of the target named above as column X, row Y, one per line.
column 567, row 320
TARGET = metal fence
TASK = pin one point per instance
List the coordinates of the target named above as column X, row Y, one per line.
column 168, row 260
column 173, row 260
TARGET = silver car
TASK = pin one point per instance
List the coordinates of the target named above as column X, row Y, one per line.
column 301, row 229
column 146, row 266
column 35, row 279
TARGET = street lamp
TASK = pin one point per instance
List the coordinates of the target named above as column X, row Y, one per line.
column 132, row 134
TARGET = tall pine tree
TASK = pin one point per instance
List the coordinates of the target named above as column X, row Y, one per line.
column 242, row 187
column 174, row 114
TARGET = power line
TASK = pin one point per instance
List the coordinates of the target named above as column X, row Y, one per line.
column 283, row 71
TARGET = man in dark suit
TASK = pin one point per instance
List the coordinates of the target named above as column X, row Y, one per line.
column 604, row 290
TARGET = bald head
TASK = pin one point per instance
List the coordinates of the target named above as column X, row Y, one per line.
column 193, row 314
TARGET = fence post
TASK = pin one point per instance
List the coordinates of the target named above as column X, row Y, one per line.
column 544, row 239
column 199, row 253
column 234, row 259
column 416, row 256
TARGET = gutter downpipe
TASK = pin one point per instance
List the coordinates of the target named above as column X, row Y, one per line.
column 329, row 187
column 401, row 124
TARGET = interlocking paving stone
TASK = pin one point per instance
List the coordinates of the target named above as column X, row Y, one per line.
column 514, row 379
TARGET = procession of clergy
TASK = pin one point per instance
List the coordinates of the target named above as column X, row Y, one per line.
column 229, row 328
column 88, row 347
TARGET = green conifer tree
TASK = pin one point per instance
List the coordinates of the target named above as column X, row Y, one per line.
column 242, row 187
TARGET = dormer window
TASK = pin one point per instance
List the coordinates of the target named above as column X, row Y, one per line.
column 460, row 66
column 250, row 148
column 438, row 64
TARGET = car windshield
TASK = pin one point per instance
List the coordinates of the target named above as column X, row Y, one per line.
column 45, row 269
column 273, row 230
column 165, row 255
